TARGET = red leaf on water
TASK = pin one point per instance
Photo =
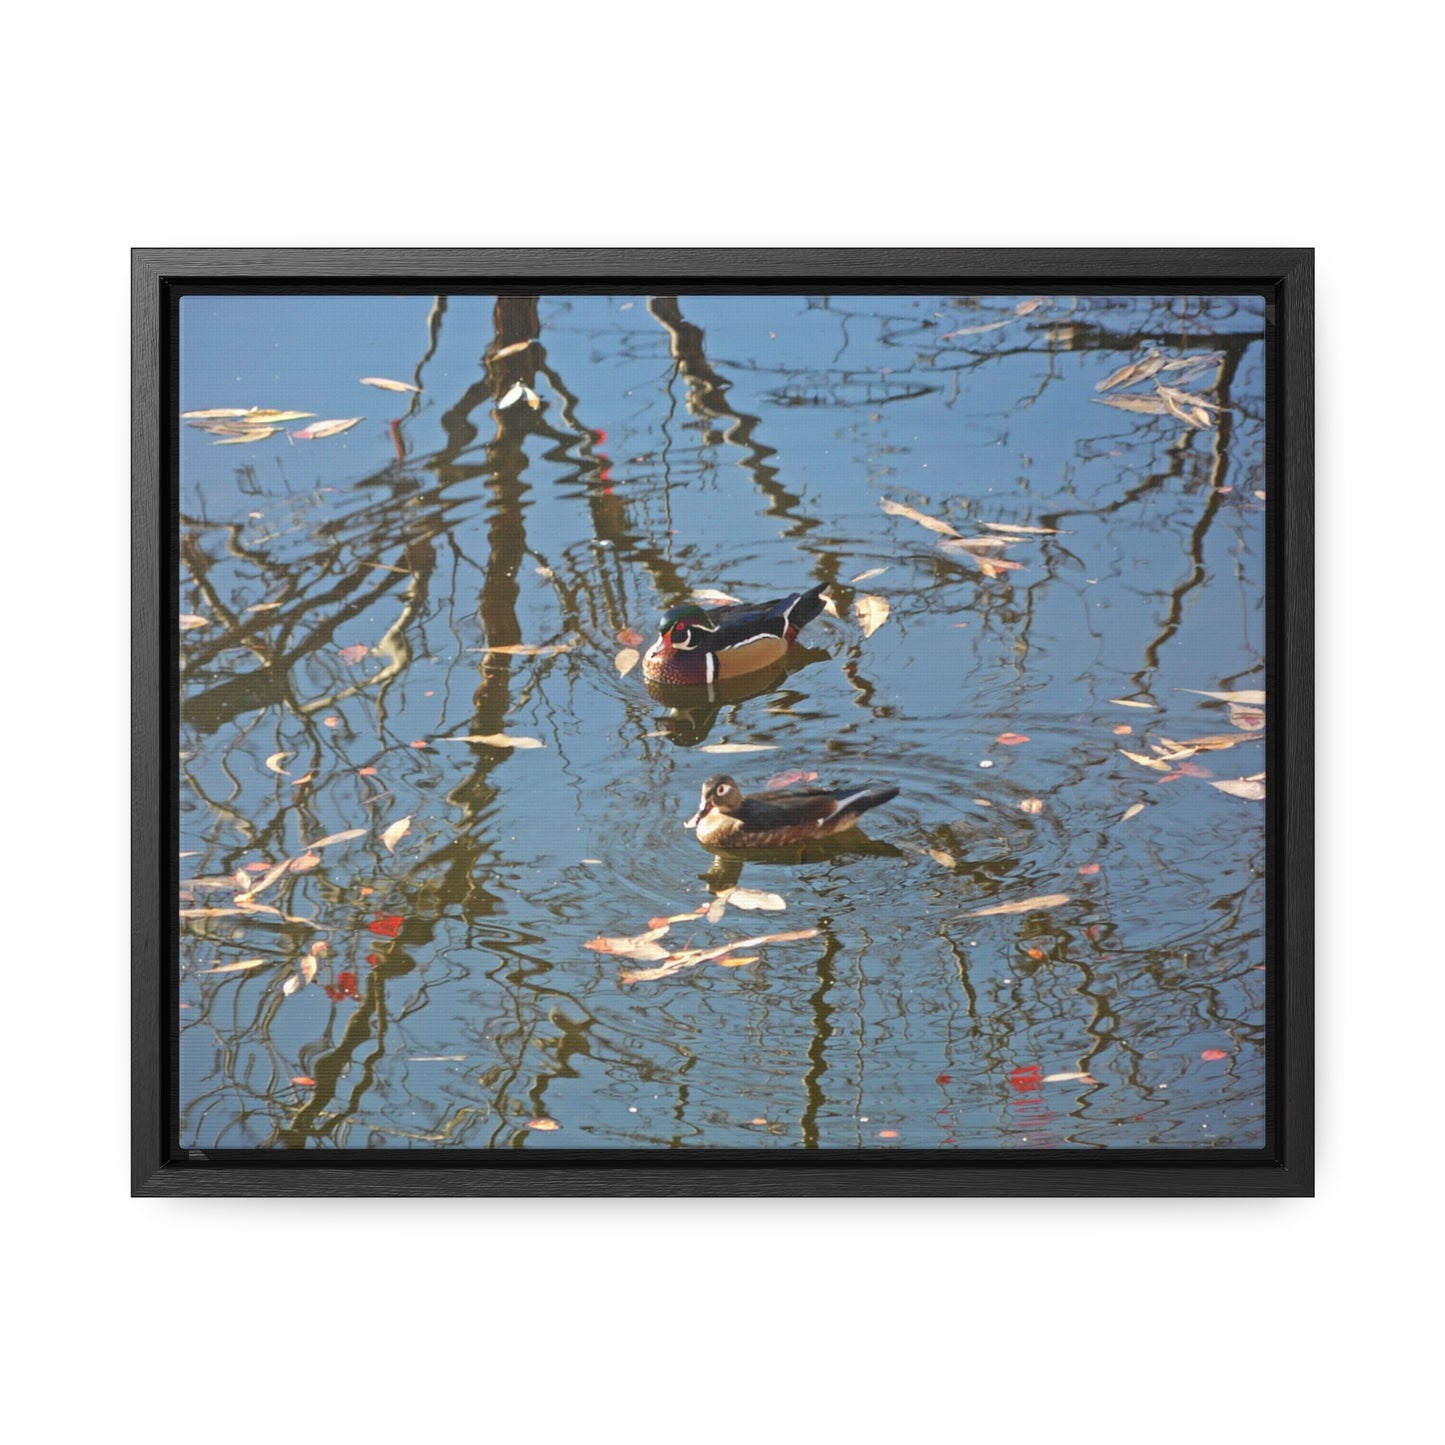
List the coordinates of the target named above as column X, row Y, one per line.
column 421, row 743
column 944, row 1079
column 629, row 638
column 355, row 652
column 1088, row 868
column 1027, row 1078
column 331, row 722
column 257, row 867
column 1011, row 738
column 372, row 959
column 1123, row 729
column 346, row 983
column 1193, row 770
column 1212, row 1054
column 304, row 1082
column 888, row 1133
column 1035, row 952
column 388, row 925
column 366, row 772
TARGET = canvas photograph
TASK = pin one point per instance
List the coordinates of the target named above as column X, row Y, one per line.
column 735, row 720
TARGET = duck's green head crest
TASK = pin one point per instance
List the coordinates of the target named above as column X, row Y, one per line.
column 687, row 615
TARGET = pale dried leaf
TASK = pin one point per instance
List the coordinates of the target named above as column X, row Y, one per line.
column 266, row 880
column 527, row 649
column 977, row 330
column 639, row 945
column 276, row 759
column 732, row 962
column 249, row 436
column 1068, row 1078
column 495, row 740
column 626, row 660
column 1145, row 762
column 1214, row 743
column 1010, row 527
column 216, row 411
column 546, row 1126
column 1149, row 405
column 996, row 566
column 872, row 613
column 739, row 748
column 317, row 430
column 191, row 620
column 291, row 985
column 1022, row 905
column 1132, row 702
column 386, row 384
column 1132, row 811
column 1133, row 371
column 934, row 524
column 396, row 833
column 678, row 961
column 237, row 966
column 864, row 576
column 305, row 863
column 1241, row 788
column 975, row 544
column 262, row 416
column 336, row 838
column 711, row 594
column 751, row 898
column 715, row 910
column 1027, row 308
column 1032, row 805
column 308, row 966
column 513, row 349
column 516, row 394
column 945, row 860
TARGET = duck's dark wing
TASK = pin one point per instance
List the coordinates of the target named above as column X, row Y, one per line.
column 797, row 805
column 737, row 624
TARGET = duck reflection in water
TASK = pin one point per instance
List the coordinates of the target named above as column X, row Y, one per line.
column 692, row 712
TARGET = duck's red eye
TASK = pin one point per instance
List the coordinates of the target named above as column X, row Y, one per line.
column 679, row 631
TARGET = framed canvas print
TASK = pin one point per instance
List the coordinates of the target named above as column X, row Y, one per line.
column 765, row 722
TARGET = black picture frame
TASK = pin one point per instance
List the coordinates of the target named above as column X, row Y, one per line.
column 1284, row 1168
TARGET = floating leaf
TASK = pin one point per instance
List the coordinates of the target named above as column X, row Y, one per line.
column 307, row 965
column 304, row 863
column 513, row 349
column 786, row 780
column 731, row 962
column 1216, row 742
column 387, row 925
column 628, row 638
column 1068, row 1078
column 977, row 330
column 872, row 613
column 1027, row 308
column 264, row 606
column 1122, row 730
column 934, row 524
column 216, row 411
column 516, row 394
column 354, row 653
column 864, row 576
column 1155, row 763
column 1210, row 1055
column 739, row 748
column 711, row 594
column 676, row 962
column 267, row 879
column 1133, row 371
column 386, row 384
column 1088, row 869
column 331, row 722
column 1022, row 905
column 1254, row 696
column 236, row 967
column 626, row 660
column 640, row 945
column 527, row 649
column 1011, row 739
column 996, row 566
column 945, row 860
column 264, row 416
column 1150, row 405
column 545, row 1126
column 418, row 743
column 1022, row 530
column 1250, row 719
column 291, row 985
column 751, row 898
column 253, row 435
column 1132, row 702
column 191, row 620
column 495, row 740
column 337, row 838
column 1032, row 805
column 1241, row 788
column 320, row 429
column 396, row 833
column 975, row 544
column 1132, row 811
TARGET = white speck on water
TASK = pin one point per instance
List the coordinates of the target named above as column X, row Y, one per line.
column 985, row 762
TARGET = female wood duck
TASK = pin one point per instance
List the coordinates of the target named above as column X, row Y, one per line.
column 727, row 819
column 696, row 646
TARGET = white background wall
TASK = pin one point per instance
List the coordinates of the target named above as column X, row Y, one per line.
column 1045, row 1321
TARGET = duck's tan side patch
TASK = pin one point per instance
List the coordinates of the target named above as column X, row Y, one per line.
column 757, row 652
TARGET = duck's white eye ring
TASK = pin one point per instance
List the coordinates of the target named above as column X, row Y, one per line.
column 722, row 791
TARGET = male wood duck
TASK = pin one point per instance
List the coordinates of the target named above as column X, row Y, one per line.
column 725, row 818
column 696, row 646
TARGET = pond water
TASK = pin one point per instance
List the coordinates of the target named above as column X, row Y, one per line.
column 426, row 982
